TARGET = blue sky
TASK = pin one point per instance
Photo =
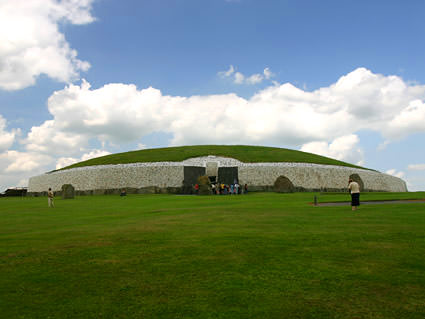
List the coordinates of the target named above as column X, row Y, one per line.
column 83, row 78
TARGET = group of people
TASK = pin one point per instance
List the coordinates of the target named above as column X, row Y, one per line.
column 225, row 189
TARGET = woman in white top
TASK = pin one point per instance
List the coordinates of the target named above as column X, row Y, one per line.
column 354, row 189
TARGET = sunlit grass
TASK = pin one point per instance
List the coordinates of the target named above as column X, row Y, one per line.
column 262, row 255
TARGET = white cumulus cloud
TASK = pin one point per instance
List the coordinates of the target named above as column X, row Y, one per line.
column 227, row 73
column 53, row 139
column 254, row 79
column 240, row 78
column 280, row 115
column 344, row 148
column 16, row 167
column 416, row 167
column 395, row 173
column 31, row 43
column 411, row 119
column 267, row 73
column 6, row 138
column 24, row 162
column 66, row 161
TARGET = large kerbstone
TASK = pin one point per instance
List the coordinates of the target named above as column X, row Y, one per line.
column 283, row 185
column 68, row 191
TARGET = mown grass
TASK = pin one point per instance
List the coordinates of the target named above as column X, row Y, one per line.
column 247, row 154
column 370, row 196
column 255, row 256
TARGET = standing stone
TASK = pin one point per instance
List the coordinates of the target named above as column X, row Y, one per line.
column 68, row 191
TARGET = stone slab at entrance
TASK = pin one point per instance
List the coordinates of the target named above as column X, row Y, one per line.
column 211, row 169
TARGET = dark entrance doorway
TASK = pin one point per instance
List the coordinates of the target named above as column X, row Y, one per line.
column 191, row 175
column 228, row 175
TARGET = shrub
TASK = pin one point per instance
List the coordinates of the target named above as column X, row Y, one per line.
column 204, row 185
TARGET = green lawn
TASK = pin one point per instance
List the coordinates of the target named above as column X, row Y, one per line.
column 261, row 255
column 247, row 154
column 339, row 197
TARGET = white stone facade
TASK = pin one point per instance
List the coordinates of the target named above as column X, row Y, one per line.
column 171, row 174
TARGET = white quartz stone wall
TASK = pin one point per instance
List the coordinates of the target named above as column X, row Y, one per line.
column 171, row 174
column 312, row 176
column 309, row 176
column 221, row 161
column 110, row 177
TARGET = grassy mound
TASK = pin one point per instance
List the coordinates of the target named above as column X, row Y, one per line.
column 247, row 154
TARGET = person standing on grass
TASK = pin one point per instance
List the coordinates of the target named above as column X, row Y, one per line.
column 50, row 196
column 354, row 190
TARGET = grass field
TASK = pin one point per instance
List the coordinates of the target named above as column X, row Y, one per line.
column 247, row 154
column 262, row 255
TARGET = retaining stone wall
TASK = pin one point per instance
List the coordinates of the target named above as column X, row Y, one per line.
column 109, row 177
column 168, row 176
column 318, row 177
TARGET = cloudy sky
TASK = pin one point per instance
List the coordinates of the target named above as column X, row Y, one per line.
column 84, row 78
